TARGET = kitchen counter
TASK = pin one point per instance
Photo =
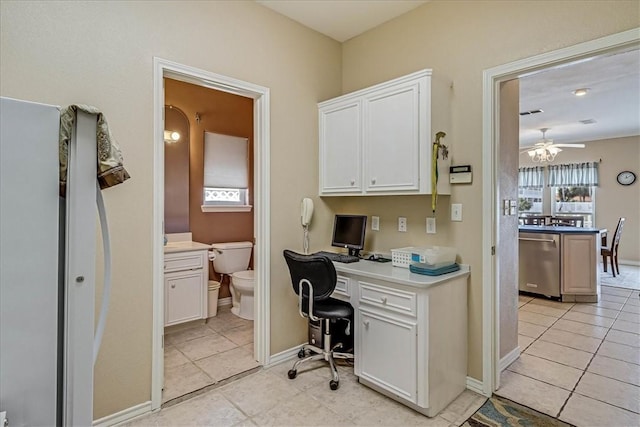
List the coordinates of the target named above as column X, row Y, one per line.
column 386, row 271
column 559, row 229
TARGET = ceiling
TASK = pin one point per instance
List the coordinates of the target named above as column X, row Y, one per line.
column 612, row 102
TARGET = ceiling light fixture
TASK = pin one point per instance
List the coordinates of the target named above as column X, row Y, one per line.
column 581, row 92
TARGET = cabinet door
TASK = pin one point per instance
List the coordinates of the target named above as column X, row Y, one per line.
column 393, row 122
column 183, row 293
column 579, row 264
column 340, row 148
column 387, row 355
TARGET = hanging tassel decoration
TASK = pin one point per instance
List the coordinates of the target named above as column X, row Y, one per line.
column 437, row 146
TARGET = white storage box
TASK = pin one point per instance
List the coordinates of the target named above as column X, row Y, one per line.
column 436, row 255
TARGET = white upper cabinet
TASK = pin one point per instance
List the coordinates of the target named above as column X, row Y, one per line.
column 377, row 141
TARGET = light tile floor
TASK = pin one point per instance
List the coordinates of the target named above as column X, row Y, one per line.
column 580, row 362
column 200, row 355
column 268, row 397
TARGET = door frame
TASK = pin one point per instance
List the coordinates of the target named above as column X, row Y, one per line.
column 261, row 218
column 492, row 78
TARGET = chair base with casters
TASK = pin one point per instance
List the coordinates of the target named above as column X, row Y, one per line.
column 310, row 352
column 314, row 279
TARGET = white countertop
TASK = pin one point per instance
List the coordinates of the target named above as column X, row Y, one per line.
column 386, row 271
column 185, row 246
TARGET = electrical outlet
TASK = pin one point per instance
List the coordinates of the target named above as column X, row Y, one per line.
column 402, row 224
column 431, row 226
column 375, row 223
column 456, row 212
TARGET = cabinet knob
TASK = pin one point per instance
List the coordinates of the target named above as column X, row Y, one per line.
column 373, row 180
column 173, row 286
column 383, row 300
column 353, row 182
column 365, row 323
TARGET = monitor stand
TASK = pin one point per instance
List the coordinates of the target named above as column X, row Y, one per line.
column 354, row 252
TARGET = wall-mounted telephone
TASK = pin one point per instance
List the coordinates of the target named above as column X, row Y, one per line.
column 306, row 211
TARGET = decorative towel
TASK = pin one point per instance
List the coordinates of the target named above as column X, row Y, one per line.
column 110, row 168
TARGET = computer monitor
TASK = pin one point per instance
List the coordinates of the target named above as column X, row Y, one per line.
column 348, row 232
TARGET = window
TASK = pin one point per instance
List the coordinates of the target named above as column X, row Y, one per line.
column 530, row 190
column 574, row 200
column 226, row 173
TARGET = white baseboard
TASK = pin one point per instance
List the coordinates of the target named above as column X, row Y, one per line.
column 628, row 262
column 283, row 356
column 475, row 385
column 124, row 415
column 224, row 301
column 509, row 359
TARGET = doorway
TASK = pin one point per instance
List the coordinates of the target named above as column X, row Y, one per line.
column 491, row 228
column 260, row 96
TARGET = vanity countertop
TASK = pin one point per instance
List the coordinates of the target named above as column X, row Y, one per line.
column 185, row 246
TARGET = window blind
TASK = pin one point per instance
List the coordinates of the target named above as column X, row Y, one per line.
column 226, row 161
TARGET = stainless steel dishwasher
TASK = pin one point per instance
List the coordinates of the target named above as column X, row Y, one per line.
column 539, row 261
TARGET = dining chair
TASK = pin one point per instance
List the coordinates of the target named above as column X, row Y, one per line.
column 612, row 251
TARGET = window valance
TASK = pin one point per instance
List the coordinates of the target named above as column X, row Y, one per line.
column 531, row 177
column 574, row 174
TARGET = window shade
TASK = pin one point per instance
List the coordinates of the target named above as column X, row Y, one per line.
column 226, row 161
column 573, row 174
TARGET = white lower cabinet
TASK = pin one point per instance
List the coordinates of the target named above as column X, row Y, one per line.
column 388, row 353
column 182, row 296
column 185, row 287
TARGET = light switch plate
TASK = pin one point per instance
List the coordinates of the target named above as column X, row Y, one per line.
column 456, row 212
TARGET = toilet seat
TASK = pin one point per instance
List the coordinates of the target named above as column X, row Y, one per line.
column 242, row 286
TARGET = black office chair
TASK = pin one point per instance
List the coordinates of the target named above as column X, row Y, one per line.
column 314, row 278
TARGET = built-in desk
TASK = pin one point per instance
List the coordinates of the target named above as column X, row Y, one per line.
column 410, row 332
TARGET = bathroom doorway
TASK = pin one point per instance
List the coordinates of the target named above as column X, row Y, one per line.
column 194, row 350
column 208, row 140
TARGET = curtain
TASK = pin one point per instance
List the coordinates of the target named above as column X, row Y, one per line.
column 532, row 177
column 574, row 175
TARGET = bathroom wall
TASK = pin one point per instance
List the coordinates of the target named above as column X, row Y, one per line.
column 223, row 113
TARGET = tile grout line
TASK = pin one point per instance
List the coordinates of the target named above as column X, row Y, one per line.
column 571, row 393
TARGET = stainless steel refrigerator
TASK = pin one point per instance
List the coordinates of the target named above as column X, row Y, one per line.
column 47, row 268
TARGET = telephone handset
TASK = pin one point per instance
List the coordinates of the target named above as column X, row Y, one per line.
column 306, row 211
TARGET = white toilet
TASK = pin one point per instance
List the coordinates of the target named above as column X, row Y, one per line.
column 233, row 258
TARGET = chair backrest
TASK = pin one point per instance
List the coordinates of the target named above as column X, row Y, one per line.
column 317, row 269
column 567, row 221
column 616, row 236
column 533, row 220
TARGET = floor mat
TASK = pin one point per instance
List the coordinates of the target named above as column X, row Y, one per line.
column 498, row 412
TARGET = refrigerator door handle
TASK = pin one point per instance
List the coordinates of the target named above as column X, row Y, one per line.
column 106, row 293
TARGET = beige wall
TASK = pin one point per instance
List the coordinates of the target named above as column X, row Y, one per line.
column 612, row 199
column 101, row 53
column 460, row 39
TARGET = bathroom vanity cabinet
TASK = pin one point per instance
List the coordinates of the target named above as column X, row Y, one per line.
column 186, row 272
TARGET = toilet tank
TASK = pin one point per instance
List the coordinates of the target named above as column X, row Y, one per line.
column 231, row 257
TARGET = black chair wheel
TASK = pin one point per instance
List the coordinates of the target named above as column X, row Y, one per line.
column 301, row 354
column 292, row 374
column 333, row 384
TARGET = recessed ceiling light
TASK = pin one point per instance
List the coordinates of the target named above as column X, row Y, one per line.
column 581, row 92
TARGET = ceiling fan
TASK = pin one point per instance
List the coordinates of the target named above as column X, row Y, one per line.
column 545, row 150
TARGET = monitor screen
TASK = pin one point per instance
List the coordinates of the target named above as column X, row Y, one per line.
column 348, row 232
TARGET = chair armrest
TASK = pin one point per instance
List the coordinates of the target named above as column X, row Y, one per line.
column 310, row 314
